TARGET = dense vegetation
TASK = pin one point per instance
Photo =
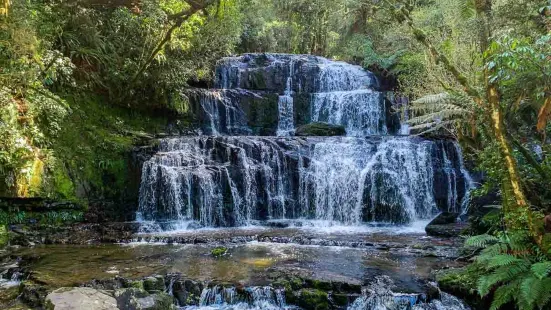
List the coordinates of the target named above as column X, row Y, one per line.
column 81, row 82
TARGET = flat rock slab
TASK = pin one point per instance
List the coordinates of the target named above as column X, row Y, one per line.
column 78, row 298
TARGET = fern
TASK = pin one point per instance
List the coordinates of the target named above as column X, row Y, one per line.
column 502, row 260
column 436, row 111
column 541, row 270
column 503, row 295
column 513, row 271
column 481, row 241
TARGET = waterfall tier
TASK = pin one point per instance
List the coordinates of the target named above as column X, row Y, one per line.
column 233, row 181
column 272, row 94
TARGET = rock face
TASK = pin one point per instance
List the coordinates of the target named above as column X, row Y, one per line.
column 231, row 181
column 80, row 298
column 237, row 175
column 320, row 129
column 271, row 94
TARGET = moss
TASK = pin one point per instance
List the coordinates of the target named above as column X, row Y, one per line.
column 136, row 284
column 163, row 301
column 340, row 299
column 63, row 185
column 462, row 283
column 219, row 251
column 4, row 236
column 35, row 181
column 312, row 299
column 320, row 285
column 154, row 284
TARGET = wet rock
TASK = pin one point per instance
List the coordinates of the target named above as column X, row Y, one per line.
column 448, row 230
column 445, row 225
column 320, row 129
column 445, row 218
column 312, row 299
column 33, row 294
column 77, row 298
column 138, row 299
column 187, row 292
column 154, row 284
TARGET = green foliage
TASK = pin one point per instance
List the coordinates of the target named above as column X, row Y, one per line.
column 513, row 270
column 55, row 218
column 219, row 251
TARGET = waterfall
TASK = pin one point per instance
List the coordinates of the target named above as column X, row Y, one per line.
column 379, row 296
column 220, row 111
column 255, row 297
column 286, row 123
column 341, row 76
column 233, row 179
column 361, row 112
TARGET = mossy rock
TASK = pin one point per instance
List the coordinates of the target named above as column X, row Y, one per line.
column 219, row 251
column 136, row 284
column 154, row 284
column 313, row 299
column 320, row 129
column 8, row 295
column 462, row 282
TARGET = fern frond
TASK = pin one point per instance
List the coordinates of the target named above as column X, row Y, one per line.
column 503, row 295
column 545, row 298
column 494, row 249
column 481, row 241
column 432, row 99
column 502, row 260
column 501, row 275
column 541, row 270
column 530, row 290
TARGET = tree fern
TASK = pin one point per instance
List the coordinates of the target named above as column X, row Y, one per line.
column 436, row 111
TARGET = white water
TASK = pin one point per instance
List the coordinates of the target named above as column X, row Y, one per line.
column 286, row 120
column 266, row 298
column 361, row 111
column 234, row 181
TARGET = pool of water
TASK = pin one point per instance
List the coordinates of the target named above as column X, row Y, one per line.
column 407, row 259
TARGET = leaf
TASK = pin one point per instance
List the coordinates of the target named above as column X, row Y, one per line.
column 541, row 270
column 503, row 295
column 502, row 260
column 481, row 241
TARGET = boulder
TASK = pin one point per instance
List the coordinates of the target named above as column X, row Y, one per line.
column 138, row 299
column 75, row 298
column 445, row 225
column 445, row 218
column 320, row 129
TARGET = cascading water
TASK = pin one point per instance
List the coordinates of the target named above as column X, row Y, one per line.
column 361, row 111
column 231, row 181
column 256, row 297
column 378, row 296
column 286, row 123
column 236, row 180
